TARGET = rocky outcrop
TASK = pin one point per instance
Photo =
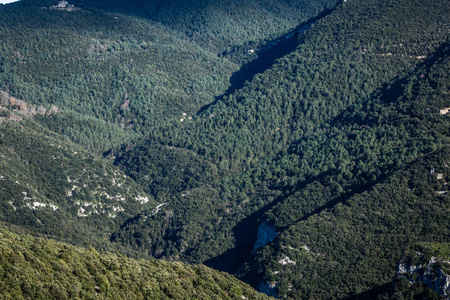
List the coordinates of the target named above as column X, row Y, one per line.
column 432, row 273
column 268, row 288
column 266, row 234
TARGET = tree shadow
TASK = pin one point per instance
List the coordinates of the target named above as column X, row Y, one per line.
column 375, row 292
column 245, row 233
column 266, row 56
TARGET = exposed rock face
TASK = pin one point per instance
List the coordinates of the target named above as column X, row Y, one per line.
column 266, row 234
column 432, row 274
column 268, row 288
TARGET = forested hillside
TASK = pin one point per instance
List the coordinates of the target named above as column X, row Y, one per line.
column 367, row 227
column 301, row 146
column 326, row 122
column 110, row 72
column 219, row 25
column 112, row 76
column 57, row 189
column 45, row 269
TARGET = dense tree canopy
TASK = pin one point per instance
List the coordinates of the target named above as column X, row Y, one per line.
column 174, row 129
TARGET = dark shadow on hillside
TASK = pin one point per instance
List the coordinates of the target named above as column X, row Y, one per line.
column 266, row 58
column 245, row 233
column 374, row 293
column 340, row 199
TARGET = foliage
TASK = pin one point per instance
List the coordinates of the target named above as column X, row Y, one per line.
column 45, row 269
column 319, row 125
column 331, row 141
column 217, row 25
column 365, row 228
column 54, row 187
column 119, row 72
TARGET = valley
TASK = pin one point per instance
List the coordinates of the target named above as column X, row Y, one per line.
column 300, row 146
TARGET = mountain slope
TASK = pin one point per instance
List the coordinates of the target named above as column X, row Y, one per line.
column 117, row 74
column 55, row 188
column 217, row 25
column 101, row 79
column 45, row 269
column 279, row 131
column 357, row 244
column 297, row 181
column 373, row 208
column 122, row 73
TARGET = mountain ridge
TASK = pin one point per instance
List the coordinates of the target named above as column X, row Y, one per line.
column 331, row 123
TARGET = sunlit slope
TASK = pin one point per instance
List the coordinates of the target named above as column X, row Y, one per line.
column 133, row 74
column 53, row 187
column 45, row 269
column 217, row 25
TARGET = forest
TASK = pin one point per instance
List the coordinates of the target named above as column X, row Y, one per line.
column 300, row 146
column 36, row 268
